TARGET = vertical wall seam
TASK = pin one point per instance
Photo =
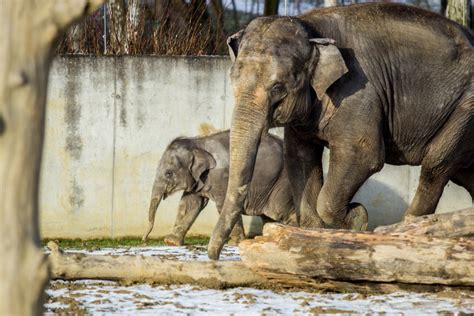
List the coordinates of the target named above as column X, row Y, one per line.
column 114, row 133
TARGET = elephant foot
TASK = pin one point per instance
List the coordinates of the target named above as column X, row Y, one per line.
column 171, row 240
column 356, row 218
column 215, row 247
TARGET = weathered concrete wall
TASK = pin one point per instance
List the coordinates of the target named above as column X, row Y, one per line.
column 108, row 122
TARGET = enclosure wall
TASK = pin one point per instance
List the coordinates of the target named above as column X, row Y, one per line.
column 109, row 120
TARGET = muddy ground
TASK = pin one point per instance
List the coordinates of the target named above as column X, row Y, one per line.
column 90, row 297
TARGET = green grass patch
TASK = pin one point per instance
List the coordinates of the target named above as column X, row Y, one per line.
column 120, row 242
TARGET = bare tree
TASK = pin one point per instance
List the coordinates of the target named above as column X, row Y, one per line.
column 117, row 25
column 459, row 11
column 234, row 14
column 76, row 35
column 29, row 29
column 134, row 25
column 218, row 9
column 271, row 7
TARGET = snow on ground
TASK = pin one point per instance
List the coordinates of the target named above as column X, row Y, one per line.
column 183, row 253
column 106, row 297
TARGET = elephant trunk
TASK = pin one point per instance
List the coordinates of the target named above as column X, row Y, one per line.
column 156, row 197
column 248, row 124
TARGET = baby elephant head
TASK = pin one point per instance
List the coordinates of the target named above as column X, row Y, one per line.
column 183, row 167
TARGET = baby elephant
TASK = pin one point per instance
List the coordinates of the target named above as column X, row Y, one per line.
column 200, row 167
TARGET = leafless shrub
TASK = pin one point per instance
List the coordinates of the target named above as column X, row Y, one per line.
column 187, row 31
column 84, row 38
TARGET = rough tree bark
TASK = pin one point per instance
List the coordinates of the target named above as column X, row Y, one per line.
column 135, row 26
column 459, row 11
column 76, row 36
column 28, row 30
column 360, row 256
column 455, row 224
column 117, row 26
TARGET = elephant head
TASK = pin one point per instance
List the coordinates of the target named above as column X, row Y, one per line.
column 181, row 168
column 279, row 73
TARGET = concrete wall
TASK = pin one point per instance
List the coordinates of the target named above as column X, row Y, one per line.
column 108, row 121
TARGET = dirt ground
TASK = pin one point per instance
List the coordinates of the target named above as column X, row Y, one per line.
column 88, row 297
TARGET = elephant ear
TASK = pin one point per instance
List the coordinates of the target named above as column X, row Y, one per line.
column 329, row 67
column 233, row 42
column 201, row 162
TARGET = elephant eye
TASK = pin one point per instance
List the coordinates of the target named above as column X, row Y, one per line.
column 278, row 89
column 168, row 174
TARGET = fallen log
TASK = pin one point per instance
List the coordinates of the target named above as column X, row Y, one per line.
column 141, row 269
column 212, row 274
column 360, row 256
column 454, row 224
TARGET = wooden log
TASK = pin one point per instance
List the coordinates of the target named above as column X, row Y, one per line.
column 213, row 274
column 360, row 256
column 453, row 224
column 140, row 269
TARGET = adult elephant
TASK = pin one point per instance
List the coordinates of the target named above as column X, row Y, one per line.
column 375, row 83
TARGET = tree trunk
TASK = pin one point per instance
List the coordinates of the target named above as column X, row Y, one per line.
column 76, row 36
column 455, row 224
column 361, row 256
column 117, row 26
column 218, row 9
column 135, row 26
column 29, row 29
column 459, row 11
column 214, row 274
column 271, row 7
column 131, row 269
column 234, row 15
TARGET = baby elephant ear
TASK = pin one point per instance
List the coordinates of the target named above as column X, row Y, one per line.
column 202, row 161
column 233, row 42
column 329, row 67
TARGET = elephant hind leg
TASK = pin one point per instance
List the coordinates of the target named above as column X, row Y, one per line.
column 429, row 191
column 465, row 178
column 448, row 154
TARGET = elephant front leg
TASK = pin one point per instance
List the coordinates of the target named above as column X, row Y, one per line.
column 303, row 161
column 189, row 208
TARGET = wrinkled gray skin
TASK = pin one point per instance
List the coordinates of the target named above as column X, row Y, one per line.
column 375, row 83
column 200, row 166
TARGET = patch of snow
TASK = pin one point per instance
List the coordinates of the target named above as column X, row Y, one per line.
column 108, row 297
column 99, row 297
column 182, row 253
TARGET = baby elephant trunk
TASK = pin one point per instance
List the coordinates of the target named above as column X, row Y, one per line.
column 155, row 202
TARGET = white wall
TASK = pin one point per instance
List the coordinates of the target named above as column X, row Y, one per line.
column 108, row 121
